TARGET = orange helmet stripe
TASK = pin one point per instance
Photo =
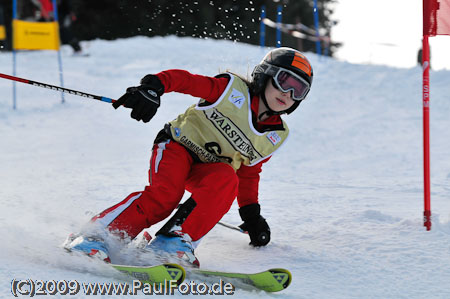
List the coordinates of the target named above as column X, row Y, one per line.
column 301, row 63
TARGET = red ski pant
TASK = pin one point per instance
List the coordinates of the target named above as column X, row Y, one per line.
column 213, row 187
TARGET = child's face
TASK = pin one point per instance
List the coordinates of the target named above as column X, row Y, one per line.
column 277, row 99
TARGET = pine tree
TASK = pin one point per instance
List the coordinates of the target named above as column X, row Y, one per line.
column 237, row 20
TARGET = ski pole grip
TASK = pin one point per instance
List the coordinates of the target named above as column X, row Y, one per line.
column 263, row 237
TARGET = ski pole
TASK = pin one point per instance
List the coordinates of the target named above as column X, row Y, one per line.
column 58, row 88
column 262, row 236
column 230, row 226
column 233, row 227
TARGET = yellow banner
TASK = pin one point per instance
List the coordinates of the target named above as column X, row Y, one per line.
column 2, row 32
column 35, row 35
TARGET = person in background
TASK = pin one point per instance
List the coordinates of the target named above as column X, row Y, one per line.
column 66, row 17
column 2, row 30
column 419, row 57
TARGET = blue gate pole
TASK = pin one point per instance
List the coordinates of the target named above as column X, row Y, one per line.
column 61, row 79
column 262, row 28
column 316, row 24
column 279, row 13
column 14, row 53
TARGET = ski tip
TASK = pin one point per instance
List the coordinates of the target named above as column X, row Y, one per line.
column 177, row 272
column 282, row 276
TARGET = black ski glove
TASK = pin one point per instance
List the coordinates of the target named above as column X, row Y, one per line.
column 144, row 99
column 255, row 224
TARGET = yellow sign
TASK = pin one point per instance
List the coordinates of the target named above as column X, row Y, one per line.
column 35, row 35
column 2, row 32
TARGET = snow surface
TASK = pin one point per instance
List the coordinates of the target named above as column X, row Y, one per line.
column 344, row 197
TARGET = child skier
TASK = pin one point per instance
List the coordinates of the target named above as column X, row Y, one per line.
column 215, row 150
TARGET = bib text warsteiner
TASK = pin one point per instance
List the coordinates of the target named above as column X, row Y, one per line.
column 229, row 134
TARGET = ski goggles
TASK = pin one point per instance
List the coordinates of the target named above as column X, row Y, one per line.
column 286, row 81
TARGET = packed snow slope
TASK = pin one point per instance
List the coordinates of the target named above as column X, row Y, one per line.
column 343, row 198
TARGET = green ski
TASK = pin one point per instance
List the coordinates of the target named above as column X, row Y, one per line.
column 155, row 274
column 272, row 280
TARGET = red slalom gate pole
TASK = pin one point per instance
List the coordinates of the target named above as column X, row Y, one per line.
column 426, row 131
column 57, row 88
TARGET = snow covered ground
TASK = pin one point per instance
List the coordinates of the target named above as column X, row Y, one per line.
column 343, row 197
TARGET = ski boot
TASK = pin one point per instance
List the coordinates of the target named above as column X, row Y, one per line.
column 90, row 245
column 175, row 243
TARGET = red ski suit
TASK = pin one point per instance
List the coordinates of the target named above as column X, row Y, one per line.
column 213, row 186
